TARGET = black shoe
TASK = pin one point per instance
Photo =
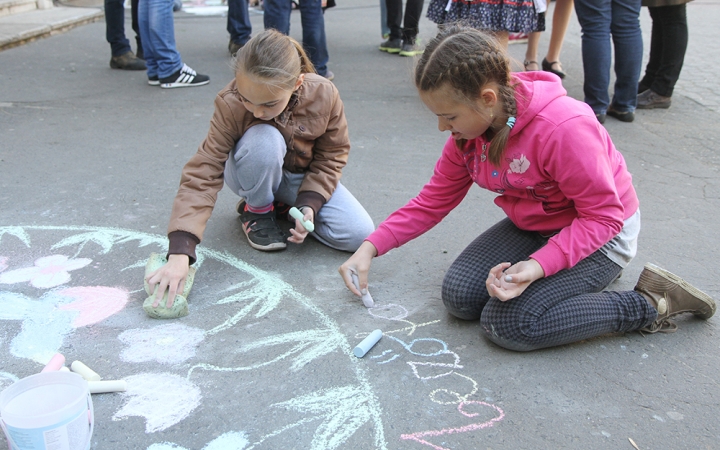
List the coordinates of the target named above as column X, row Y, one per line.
column 185, row 77
column 600, row 117
column 391, row 46
column 263, row 231
column 548, row 67
column 626, row 116
column 154, row 80
column 127, row 61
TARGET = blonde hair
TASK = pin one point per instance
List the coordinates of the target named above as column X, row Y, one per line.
column 466, row 60
column 274, row 58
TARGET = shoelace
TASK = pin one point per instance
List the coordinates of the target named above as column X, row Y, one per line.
column 660, row 326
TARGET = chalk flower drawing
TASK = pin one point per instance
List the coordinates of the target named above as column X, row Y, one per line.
column 520, row 165
column 48, row 272
column 167, row 344
column 164, row 399
column 3, row 263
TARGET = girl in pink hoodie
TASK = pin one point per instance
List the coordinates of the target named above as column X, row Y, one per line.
column 572, row 212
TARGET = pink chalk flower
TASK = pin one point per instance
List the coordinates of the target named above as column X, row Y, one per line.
column 3, row 263
column 48, row 272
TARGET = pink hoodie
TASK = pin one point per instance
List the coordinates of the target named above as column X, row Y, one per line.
column 561, row 174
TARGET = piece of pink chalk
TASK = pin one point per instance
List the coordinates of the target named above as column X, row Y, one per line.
column 56, row 362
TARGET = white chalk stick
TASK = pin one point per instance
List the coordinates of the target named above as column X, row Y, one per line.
column 84, row 371
column 366, row 297
column 508, row 278
column 297, row 214
column 367, row 343
column 101, row 387
column 55, row 363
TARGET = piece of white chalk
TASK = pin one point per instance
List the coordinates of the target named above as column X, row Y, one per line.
column 55, row 363
column 101, row 387
column 366, row 297
column 367, row 343
column 508, row 278
column 84, row 371
column 297, row 214
column 64, row 369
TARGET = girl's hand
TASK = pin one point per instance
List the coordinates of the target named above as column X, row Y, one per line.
column 170, row 277
column 299, row 232
column 359, row 262
column 506, row 281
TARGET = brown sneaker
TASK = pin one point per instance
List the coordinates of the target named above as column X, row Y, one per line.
column 650, row 100
column 128, row 61
column 671, row 295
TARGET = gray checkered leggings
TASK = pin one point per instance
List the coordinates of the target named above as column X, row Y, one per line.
column 566, row 307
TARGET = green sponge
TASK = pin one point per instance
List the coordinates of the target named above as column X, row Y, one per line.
column 180, row 306
column 177, row 310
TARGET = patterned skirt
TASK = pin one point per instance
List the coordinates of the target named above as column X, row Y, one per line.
column 515, row 16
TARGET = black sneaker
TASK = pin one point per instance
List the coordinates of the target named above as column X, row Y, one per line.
column 154, row 80
column 391, row 46
column 263, row 231
column 410, row 48
column 185, row 77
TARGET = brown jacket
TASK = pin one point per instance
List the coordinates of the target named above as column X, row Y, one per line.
column 316, row 134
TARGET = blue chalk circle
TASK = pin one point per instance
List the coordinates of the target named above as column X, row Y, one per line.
column 297, row 214
column 367, row 343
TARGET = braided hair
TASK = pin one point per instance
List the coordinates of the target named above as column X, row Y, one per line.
column 466, row 60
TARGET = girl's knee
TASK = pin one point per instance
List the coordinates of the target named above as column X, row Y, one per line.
column 505, row 332
column 460, row 302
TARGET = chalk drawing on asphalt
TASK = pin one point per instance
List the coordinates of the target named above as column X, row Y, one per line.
column 57, row 280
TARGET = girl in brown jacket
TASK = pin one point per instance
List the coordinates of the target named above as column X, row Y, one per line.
column 278, row 138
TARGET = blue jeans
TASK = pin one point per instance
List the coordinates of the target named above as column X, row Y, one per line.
column 238, row 21
column 600, row 20
column 157, row 31
column 277, row 15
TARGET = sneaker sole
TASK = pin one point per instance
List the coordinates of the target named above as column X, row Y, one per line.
column 410, row 53
column 390, row 50
column 692, row 290
column 154, row 82
column 181, row 85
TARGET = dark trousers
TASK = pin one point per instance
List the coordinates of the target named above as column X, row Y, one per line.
column 115, row 26
column 566, row 307
column 667, row 49
column 404, row 28
column 238, row 21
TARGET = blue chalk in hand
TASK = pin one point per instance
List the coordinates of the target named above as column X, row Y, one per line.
column 508, row 278
column 297, row 214
column 367, row 343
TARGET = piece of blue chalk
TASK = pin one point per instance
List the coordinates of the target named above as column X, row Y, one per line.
column 297, row 214
column 367, row 343
column 508, row 278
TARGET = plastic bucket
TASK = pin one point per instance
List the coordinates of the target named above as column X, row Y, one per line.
column 47, row 411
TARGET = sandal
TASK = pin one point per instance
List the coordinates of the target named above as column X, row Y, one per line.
column 548, row 67
column 527, row 63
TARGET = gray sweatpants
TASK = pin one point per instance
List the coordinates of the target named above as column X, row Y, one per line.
column 254, row 172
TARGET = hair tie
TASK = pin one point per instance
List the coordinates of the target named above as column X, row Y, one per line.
column 510, row 122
